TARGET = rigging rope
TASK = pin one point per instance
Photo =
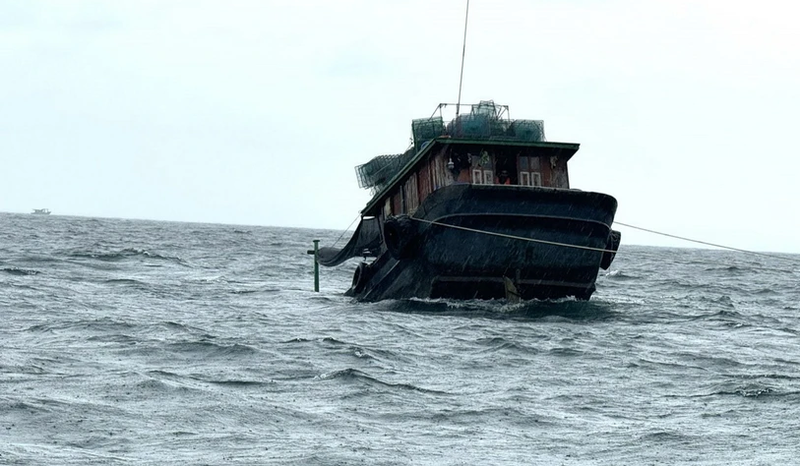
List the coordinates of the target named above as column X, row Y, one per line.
column 346, row 230
column 463, row 54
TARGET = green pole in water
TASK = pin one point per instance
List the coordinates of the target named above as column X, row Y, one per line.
column 316, row 264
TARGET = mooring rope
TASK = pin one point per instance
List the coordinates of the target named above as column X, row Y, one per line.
column 588, row 248
column 722, row 246
column 521, row 238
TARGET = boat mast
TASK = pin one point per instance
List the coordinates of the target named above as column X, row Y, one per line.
column 463, row 53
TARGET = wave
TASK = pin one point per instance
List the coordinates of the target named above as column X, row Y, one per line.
column 125, row 281
column 330, row 340
column 749, row 391
column 19, row 271
column 22, row 369
column 297, row 340
column 730, row 269
column 564, row 308
column 155, row 385
column 508, row 414
column 113, row 327
column 343, row 347
column 124, row 254
column 355, row 375
column 620, row 275
column 724, row 300
column 34, row 406
column 502, row 344
column 757, row 386
column 333, row 341
column 164, row 376
column 213, row 349
column 671, row 437
column 723, row 315
column 238, row 383
column 115, row 338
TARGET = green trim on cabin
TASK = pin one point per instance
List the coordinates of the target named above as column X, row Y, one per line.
column 561, row 146
column 494, row 142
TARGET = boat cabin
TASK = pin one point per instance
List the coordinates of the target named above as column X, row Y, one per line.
column 482, row 147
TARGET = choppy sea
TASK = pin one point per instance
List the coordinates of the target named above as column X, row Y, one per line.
column 140, row 342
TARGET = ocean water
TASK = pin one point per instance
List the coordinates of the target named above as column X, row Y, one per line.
column 138, row 342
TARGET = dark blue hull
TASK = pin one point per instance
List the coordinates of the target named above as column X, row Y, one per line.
column 475, row 241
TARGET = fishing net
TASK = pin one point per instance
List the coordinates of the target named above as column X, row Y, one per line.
column 486, row 121
column 426, row 129
column 376, row 173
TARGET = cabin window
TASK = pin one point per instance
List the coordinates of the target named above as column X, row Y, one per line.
column 482, row 168
column 530, row 178
column 482, row 176
column 529, row 171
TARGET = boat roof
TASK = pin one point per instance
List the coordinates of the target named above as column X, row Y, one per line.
column 560, row 149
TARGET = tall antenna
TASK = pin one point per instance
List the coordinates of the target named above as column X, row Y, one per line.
column 463, row 54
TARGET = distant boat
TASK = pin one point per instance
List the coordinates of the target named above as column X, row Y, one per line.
column 41, row 211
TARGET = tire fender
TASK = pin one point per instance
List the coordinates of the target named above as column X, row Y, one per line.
column 614, row 238
column 361, row 276
column 400, row 236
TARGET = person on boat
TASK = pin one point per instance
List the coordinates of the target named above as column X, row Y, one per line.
column 504, row 178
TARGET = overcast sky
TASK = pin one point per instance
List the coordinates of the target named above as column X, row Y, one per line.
column 256, row 112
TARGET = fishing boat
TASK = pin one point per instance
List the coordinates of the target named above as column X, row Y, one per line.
column 479, row 207
column 41, row 211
